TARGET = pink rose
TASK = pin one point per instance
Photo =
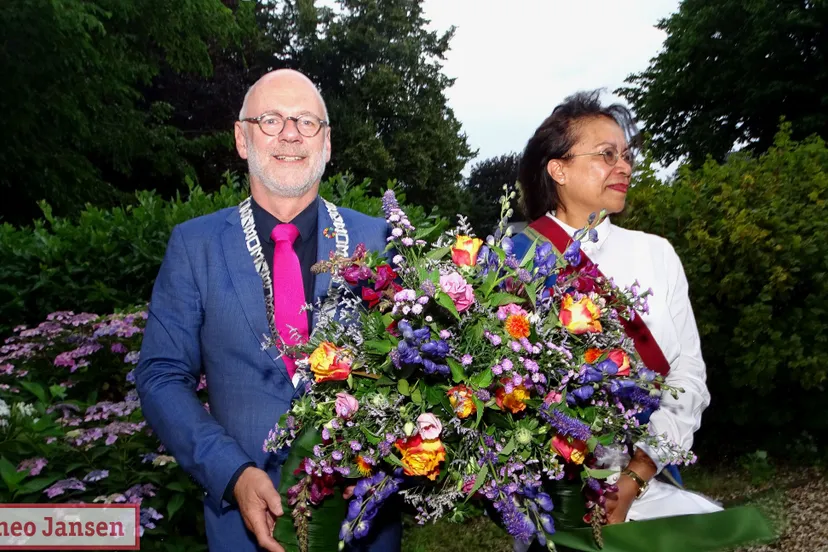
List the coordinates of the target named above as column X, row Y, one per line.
column 346, row 405
column 429, row 426
column 456, row 287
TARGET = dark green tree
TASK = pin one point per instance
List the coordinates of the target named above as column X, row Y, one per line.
column 728, row 72
column 380, row 71
column 78, row 124
column 484, row 188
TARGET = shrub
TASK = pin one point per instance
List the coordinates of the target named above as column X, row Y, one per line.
column 753, row 237
column 109, row 258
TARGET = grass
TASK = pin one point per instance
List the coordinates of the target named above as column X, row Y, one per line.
column 753, row 482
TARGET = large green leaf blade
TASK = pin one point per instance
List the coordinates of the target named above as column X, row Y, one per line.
column 326, row 519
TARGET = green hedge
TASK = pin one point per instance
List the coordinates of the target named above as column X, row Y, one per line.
column 108, row 258
column 753, row 236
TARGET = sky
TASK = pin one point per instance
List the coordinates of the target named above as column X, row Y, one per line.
column 514, row 60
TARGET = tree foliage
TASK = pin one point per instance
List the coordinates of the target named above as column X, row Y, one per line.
column 753, row 238
column 728, row 72
column 380, row 72
column 77, row 122
column 484, row 188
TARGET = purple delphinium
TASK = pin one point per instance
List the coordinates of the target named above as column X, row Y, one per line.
column 565, row 425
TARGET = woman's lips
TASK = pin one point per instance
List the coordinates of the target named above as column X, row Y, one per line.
column 619, row 187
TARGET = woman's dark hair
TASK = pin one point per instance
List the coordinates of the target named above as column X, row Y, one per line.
column 553, row 139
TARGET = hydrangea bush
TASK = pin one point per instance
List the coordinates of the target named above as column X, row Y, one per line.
column 72, row 429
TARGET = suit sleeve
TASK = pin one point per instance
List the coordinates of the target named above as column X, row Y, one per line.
column 679, row 418
column 167, row 375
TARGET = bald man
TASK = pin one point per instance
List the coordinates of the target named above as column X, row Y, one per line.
column 209, row 314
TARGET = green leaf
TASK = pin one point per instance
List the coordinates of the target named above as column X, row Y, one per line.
column 591, row 443
column 36, row 485
column 433, row 394
column 489, row 283
column 480, row 407
column 529, row 255
column 478, row 481
column 384, row 381
column 373, row 439
column 323, row 529
column 445, row 301
column 458, row 374
column 599, row 474
column 175, row 486
column 498, row 299
column 57, row 391
column 483, row 379
column 509, row 448
column 416, row 397
column 378, row 347
column 175, row 504
column 437, row 254
column 403, row 387
column 35, row 389
column 10, row 474
column 394, row 460
column 532, row 292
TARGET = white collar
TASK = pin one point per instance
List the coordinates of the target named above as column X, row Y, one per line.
column 603, row 229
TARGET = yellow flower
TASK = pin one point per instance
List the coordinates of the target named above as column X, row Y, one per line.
column 462, row 401
column 329, row 363
column 363, row 467
column 514, row 401
column 581, row 316
column 421, row 456
column 464, row 252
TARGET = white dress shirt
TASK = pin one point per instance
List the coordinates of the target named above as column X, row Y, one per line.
column 629, row 255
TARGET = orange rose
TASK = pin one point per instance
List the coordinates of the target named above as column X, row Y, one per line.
column 581, row 316
column 421, row 456
column 329, row 363
column 514, row 401
column 622, row 359
column 574, row 452
column 462, row 401
column 592, row 355
column 464, row 251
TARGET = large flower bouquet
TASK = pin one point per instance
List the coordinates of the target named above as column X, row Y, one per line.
column 450, row 370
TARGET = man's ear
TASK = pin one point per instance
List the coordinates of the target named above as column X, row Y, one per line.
column 241, row 141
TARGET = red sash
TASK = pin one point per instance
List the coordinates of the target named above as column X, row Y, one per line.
column 645, row 343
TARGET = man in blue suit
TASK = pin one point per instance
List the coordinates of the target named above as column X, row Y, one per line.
column 208, row 314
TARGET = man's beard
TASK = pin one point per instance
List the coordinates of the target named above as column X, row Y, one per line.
column 256, row 163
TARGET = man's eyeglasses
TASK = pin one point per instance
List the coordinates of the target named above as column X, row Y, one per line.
column 610, row 155
column 273, row 123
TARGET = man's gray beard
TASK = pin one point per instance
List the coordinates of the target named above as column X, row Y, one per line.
column 256, row 167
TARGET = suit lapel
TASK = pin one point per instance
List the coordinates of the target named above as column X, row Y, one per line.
column 324, row 247
column 247, row 284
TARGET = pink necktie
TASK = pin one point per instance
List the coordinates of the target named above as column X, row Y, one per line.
column 288, row 290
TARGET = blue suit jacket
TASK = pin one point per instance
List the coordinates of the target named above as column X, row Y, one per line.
column 207, row 314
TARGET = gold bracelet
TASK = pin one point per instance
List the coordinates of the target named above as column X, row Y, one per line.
column 642, row 485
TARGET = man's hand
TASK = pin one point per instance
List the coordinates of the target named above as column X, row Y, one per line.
column 260, row 505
